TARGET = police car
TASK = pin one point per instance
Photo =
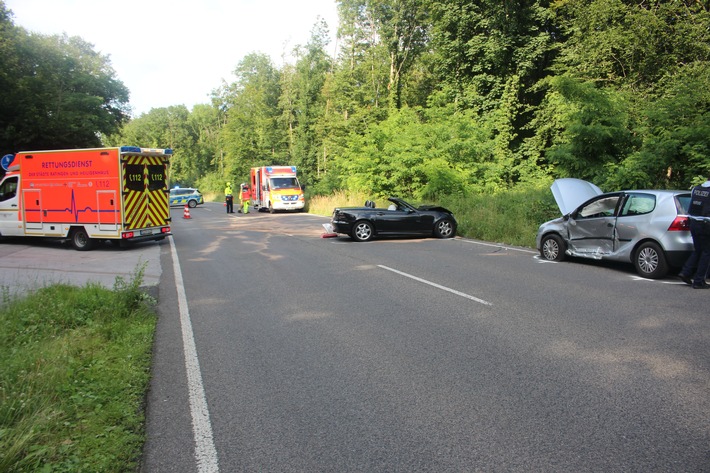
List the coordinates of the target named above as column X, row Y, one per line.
column 181, row 196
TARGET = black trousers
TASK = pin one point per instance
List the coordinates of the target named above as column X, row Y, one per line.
column 696, row 267
column 230, row 204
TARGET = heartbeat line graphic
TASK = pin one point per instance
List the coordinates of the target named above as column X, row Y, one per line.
column 72, row 209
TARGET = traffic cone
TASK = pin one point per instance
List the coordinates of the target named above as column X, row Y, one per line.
column 186, row 213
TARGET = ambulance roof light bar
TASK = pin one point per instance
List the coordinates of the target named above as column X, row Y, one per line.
column 148, row 151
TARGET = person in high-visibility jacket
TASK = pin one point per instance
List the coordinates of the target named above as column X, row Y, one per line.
column 229, row 198
column 244, row 197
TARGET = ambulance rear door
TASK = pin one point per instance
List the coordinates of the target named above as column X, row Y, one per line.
column 145, row 193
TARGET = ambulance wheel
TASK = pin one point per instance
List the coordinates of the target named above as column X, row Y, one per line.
column 80, row 240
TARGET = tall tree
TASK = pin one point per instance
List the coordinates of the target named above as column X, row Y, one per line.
column 361, row 75
column 652, row 54
column 312, row 67
column 402, row 27
column 631, row 44
column 251, row 133
column 480, row 46
column 167, row 127
column 58, row 92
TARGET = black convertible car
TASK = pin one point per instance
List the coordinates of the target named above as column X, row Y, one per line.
column 399, row 219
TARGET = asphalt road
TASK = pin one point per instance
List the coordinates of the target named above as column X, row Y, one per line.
column 290, row 352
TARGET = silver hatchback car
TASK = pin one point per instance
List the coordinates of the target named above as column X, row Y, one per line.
column 648, row 228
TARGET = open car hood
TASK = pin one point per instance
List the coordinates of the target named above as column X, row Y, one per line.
column 570, row 193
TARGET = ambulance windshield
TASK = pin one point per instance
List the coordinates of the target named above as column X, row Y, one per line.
column 284, row 183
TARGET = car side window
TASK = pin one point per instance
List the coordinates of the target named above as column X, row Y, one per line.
column 603, row 207
column 639, row 204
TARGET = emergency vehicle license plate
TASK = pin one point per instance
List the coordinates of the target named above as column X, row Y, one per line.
column 146, row 232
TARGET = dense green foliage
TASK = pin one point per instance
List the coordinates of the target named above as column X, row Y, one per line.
column 57, row 92
column 74, row 370
column 442, row 98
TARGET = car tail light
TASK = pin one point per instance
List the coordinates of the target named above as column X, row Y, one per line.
column 680, row 224
column 126, row 235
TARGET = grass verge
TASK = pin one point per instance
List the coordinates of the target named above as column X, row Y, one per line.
column 74, row 370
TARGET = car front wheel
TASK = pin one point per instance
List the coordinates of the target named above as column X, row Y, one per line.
column 552, row 248
column 192, row 203
column 650, row 261
column 444, row 229
column 363, row 231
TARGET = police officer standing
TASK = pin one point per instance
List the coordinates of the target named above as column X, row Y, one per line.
column 699, row 215
column 229, row 198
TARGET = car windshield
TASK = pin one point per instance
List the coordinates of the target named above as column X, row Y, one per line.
column 401, row 205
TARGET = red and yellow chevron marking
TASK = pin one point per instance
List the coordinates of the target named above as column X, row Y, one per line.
column 145, row 205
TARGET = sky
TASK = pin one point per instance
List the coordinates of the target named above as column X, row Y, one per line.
column 175, row 52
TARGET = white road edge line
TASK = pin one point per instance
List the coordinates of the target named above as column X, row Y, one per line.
column 438, row 286
column 205, row 452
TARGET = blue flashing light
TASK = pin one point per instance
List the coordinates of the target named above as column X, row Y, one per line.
column 293, row 169
column 269, row 169
column 168, row 151
column 130, row 149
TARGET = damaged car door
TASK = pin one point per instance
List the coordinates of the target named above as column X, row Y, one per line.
column 592, row 227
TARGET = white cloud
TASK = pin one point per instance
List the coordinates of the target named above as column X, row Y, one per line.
column 173, row 52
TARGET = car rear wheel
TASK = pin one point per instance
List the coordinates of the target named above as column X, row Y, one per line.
column 552, row 248
column 363, row 231
column 444, row 229
column 650, row 261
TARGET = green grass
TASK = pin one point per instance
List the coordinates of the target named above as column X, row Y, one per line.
column 511, row 218
column 74, row 370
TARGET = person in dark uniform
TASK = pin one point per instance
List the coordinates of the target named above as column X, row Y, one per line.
column 229, row 198
column 696, row 267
